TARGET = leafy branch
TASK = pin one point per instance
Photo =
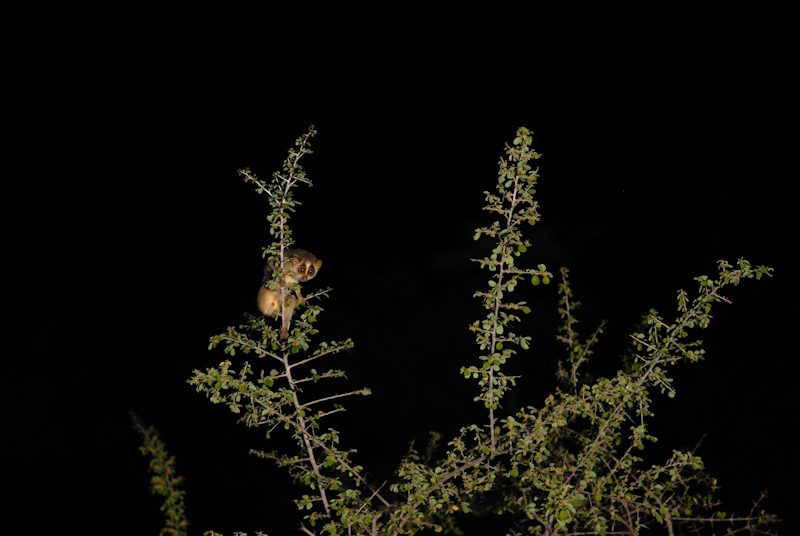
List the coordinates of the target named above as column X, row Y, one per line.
column 273, row 398
column 164, row 480
column 514, row 204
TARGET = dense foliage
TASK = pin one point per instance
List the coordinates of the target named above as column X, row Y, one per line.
column 572, row 465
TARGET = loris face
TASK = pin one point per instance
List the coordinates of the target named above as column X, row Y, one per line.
column 303, row 269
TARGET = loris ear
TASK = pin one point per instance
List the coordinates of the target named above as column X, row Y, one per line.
column 318, row 263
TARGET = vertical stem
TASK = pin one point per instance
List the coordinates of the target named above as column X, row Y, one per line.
column 301, row 428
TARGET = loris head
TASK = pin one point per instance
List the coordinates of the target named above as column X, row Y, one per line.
column 300, row 265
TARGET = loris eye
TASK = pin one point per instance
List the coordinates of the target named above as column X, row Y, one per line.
column 311, row 271
column 302, row 270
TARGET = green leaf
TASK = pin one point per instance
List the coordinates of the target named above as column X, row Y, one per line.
column 535, row 280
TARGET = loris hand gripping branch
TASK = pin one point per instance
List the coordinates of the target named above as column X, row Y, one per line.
column 298, row 267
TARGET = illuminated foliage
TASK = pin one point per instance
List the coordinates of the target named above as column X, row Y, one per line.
column 571, row 465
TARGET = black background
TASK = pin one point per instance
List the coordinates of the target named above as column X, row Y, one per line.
column 668, row 142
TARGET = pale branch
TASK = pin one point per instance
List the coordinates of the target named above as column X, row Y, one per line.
column 301, row 427
column 273, row 428
column 340, row 395
column 257, row 348
column 658, row 320
column 374, row 524
column 330, row 350
column 350, row 468
column 248, row 176
column 321, row 415
column 324, row 375
column 323, row 292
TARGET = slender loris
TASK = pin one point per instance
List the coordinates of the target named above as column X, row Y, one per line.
column 298, row 267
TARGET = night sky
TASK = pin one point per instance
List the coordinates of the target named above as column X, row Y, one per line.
column 666, row 141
